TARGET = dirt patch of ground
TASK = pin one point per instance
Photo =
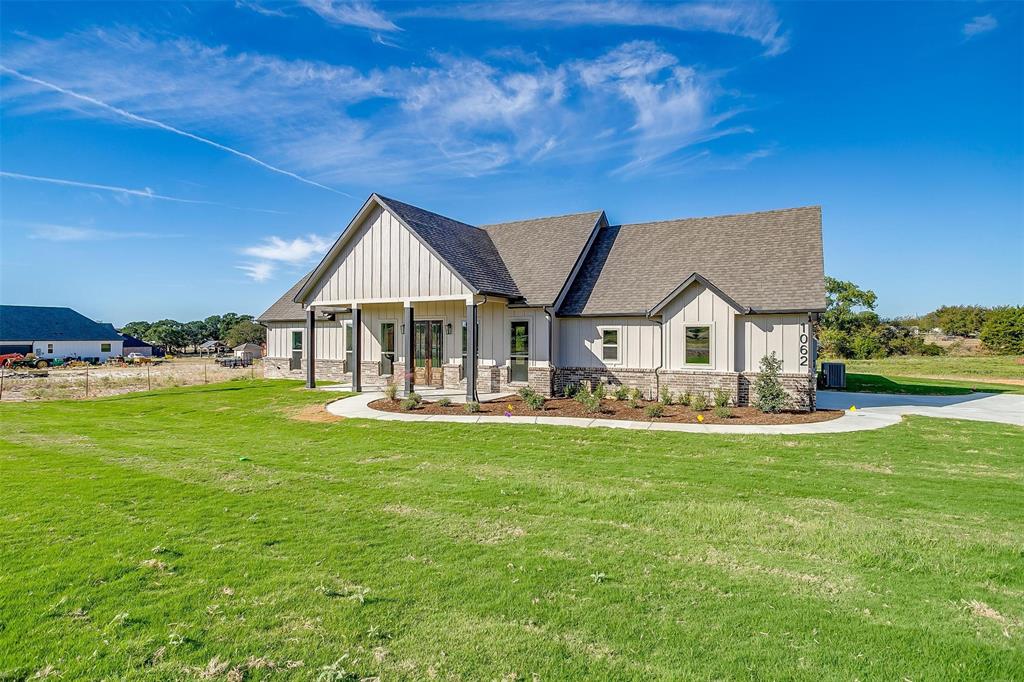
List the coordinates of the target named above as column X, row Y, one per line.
column 616, row 409
column 315, row 413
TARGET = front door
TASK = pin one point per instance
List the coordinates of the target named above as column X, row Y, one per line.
column 428, row 342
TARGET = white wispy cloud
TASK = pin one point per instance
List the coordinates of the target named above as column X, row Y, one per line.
column 72, row 233
column 122, row 192
column 163, row 126
column 258, row 272
column 274, row 250
column 351, row 13
column 632, row 106
column 979, row 25
column 756, row 21
column 294, row 251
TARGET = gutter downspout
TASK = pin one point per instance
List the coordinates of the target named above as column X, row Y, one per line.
column 661, row 358
column 550, row 313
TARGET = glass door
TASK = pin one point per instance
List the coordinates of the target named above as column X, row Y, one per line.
column 520, row 351
column 428, row 345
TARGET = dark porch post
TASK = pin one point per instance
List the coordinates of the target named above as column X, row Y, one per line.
column 471, row 352
column 410, row 342
column 310, row 348
column 357, row 349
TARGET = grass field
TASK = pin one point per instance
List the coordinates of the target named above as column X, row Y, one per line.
column 206, row 533
column 946, row 375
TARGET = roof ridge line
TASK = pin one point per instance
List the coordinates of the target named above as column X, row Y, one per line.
column 724, row 215
column 547, row 217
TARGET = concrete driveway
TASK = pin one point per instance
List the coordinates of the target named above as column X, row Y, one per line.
column 1006, row 408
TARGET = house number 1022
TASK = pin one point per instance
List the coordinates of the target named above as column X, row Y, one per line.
column 805, row 345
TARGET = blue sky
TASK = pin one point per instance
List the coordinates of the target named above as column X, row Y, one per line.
column 179, row 160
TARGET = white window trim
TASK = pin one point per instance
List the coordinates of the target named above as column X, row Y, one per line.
column 618, row 346
column 529, row 348
column 711, row 346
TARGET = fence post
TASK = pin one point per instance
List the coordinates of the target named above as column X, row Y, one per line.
column 149, row 380
column 2, row 382
column 87, row 381
column 205, row 365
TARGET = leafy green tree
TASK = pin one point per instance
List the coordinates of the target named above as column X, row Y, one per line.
column 229, row 320
column 960, row 320
column 211, row 328
column 245, row 331
column 194, row 333
column 1004, row 330
column 136, row 329
column 850, row 314
column 166, row 333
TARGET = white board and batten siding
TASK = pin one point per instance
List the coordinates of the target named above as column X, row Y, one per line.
column 580, row 342
column 698, row 305
column 788, row 336
column 330, row 339
column 384, row 260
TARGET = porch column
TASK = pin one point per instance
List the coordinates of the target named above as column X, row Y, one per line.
column 310, row 348
column 471, row 353
column 357, row 349
column 410, row 342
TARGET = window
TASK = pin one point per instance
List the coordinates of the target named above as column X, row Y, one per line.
column 104, row 348
column 349, row 353
column 520, row 351
column 296, row 340
column 697, row 350
column 609, row 344
column 49, row 348
column 387, row 348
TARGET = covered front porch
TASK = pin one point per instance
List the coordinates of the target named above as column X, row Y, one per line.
column 419, row 344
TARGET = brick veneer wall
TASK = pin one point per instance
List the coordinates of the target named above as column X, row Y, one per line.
column 644, row 379
column 800, row 387
column 329, row 370
column 802, row 390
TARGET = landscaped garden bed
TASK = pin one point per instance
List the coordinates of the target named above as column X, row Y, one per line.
column 612, row 408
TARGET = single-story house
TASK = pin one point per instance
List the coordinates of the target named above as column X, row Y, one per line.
column 134, row 345
column 56, row 333
column 248, row 351
column 692, row 304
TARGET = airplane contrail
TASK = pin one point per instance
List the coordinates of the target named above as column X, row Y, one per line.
column 147, row 193
column 163, row 126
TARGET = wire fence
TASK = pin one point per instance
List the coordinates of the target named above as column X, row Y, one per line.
column 75, row 383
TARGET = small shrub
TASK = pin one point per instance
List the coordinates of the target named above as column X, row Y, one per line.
column 569, row 390
column 634, row 398
column 621, row 392
column 721, row 397
column 665, row 396
column 444, row 402
column 525, row 392
column 415, row 397
column 654, row 410
column 471, row 407
column 722, row 411
column 771, row 396
column 592, row 404
column 699, row 402
column 599, row 392
column 685, row 399
column 391, row 392
column 582, row 394
column 408, row 404
column 534, row 401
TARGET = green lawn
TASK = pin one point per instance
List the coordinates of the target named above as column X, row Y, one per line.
column 202, row 532
column 946, row 375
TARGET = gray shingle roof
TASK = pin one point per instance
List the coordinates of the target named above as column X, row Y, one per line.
column 540, row 253
column 43, row 323
column 765, row 261
column 285, row 309
column 467, row 249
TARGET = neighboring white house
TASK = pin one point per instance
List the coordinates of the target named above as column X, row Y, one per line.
column 692, row 304
column 248, row 351
column 53, row 333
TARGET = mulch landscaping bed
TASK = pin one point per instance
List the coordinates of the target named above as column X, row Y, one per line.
column 614, row 409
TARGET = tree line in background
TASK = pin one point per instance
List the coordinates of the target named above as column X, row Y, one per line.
column 231, row 328
column 850, row 327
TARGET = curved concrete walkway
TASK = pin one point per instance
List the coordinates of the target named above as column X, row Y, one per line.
column 874, row 411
